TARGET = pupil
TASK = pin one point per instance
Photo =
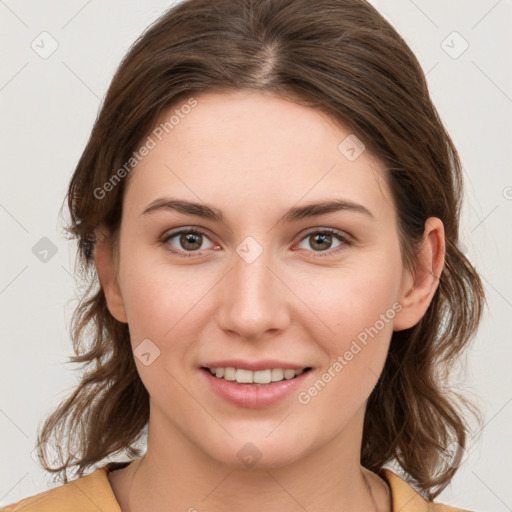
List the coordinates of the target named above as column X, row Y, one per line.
column 322, row 239
column 190, row 237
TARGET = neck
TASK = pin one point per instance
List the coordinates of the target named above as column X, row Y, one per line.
column 176, row 474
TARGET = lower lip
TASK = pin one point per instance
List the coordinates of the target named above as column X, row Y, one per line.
column 254, row 396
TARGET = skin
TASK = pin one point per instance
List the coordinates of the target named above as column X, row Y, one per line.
column 253, row 155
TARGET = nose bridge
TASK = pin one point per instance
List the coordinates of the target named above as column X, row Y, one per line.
column 254, row 299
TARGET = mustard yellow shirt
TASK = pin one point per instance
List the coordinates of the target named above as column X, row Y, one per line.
column 93, row 493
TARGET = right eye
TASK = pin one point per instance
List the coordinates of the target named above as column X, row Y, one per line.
column 187, row 240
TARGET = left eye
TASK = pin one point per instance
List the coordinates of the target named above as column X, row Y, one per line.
column 322, row 240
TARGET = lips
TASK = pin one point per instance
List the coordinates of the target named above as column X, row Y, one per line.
column 254, row 395
column 263, row 364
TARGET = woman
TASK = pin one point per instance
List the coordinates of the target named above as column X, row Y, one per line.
column 269, row 206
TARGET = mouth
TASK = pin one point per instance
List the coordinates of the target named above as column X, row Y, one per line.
column 255, row 389
column 255, row 378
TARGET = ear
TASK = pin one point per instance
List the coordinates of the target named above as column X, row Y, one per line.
column 106, row 267
column 420, row 284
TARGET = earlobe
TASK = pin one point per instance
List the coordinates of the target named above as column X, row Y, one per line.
column 420, row 284
column 104, row 259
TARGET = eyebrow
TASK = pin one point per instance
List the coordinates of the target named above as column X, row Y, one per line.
column 293, row 214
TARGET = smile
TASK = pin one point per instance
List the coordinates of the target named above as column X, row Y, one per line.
column 267, row 376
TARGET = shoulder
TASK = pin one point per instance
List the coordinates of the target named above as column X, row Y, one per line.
column 406, row 499
column 86, row 494
column 93, row 492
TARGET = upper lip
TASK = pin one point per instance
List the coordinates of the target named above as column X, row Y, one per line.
column 254, row 365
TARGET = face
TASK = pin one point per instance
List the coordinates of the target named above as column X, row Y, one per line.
column 255, row 284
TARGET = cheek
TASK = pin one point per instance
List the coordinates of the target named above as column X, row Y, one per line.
column 360, row 312
column 157, row 302
column 356, row 305
column 364, row 307
column 163, row 302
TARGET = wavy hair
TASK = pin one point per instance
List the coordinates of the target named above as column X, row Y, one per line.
column 338, row 56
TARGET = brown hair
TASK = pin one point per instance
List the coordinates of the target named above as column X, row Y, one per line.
column 344, row 58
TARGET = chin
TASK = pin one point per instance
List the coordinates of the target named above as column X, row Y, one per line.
column 257, row 452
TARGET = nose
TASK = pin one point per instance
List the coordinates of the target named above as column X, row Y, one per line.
column 254, row 299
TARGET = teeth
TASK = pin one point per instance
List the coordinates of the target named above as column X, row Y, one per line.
column 257, row 377
column 289, row 374
column 245, row 376
column 261, row 376
column 277, row 374
column 229, row 373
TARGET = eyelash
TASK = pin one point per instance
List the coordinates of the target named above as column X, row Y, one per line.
column 187, row 254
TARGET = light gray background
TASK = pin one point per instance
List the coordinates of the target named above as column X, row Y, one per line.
column 48, row 106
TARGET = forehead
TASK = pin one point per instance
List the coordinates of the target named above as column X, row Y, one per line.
column 254, row 149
